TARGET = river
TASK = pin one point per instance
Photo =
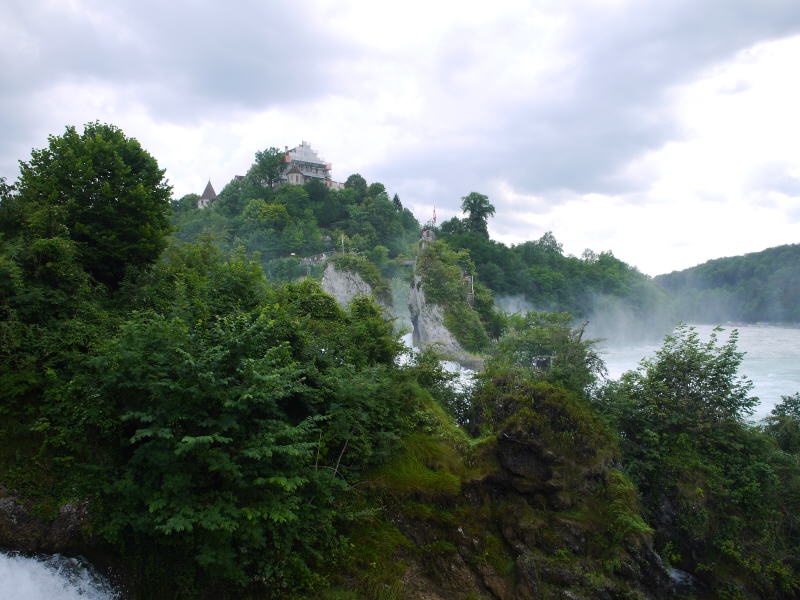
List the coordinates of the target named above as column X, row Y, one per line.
column 771, row 361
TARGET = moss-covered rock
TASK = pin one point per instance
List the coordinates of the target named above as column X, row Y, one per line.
column 534, row 509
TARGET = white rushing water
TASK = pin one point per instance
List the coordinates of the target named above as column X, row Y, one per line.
column 771, row 361
column 463, row 375
column 51, row 578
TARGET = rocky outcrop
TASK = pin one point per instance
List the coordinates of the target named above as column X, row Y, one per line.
column 24, row 531
column 347, row 285
column 430, row 331
column 540, row 513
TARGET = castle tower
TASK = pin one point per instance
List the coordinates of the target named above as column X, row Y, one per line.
column 295, row 176
column 209, row 195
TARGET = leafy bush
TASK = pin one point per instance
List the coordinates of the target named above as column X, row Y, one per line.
column 713, row 486
column 549, row 347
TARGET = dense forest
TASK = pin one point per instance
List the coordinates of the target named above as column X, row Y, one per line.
column 539, row 272
column 233, row 432
column 760, row 286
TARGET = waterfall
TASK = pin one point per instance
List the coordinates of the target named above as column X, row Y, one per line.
column 53, row 577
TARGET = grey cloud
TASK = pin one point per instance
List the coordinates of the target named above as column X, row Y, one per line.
column 248, row 54
column 187, row 61
column 183, row 61
column 793, row 215
column 613, row 103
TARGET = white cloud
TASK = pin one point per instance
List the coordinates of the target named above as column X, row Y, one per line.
column 705, row 195
column 615, row 124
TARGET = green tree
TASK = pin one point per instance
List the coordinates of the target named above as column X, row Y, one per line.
column 478, row 210
column 107, row 194
column 185, row 203
column 358, row 184
column 268, row 167
column 783, row 424
column 547, row 345
column 713, row 486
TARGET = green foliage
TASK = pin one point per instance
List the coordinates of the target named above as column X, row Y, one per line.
column 540, row 273
column 209, row 419
column 759, row 286
column 441, row 384
column 478, row 210
column 185, row 203
column 240, row 440
column 442, row 271
column 101, row 190
column 783, row 424
column 622, row 512
column 523, row 408
column 548, row 346
column 268, row 166
column 465, row 324
column 420, row 469
column 690, row 386
column 443, row 276
column 207, row 448
column 358, row 184
column 713, row 486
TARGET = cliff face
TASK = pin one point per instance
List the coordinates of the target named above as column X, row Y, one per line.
column 430, row 331
column 345, row 285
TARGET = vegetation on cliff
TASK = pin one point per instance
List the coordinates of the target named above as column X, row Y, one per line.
column 446, row 278
column 366, row 269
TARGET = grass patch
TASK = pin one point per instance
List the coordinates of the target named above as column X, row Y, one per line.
column 424, row 467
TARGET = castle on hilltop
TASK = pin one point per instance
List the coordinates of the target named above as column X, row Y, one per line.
column 302, row 164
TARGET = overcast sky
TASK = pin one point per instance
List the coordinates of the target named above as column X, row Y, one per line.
column 665, row 131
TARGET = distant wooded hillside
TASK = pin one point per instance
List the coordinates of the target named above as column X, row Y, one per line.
column 760, row 286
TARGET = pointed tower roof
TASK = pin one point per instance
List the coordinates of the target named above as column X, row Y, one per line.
column 209, row 193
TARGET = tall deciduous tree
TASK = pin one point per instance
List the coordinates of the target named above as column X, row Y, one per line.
column 268, row 167
column 102, row 190
column 478, row 209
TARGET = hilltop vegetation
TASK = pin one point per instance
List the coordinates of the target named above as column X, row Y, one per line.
column 287, row 222
column 541, row 273
column 760, row 286
column 233, row 436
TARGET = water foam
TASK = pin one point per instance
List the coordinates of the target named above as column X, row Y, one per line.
column 53, row 577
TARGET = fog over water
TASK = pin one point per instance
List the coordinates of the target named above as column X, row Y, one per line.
column 771, row 360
